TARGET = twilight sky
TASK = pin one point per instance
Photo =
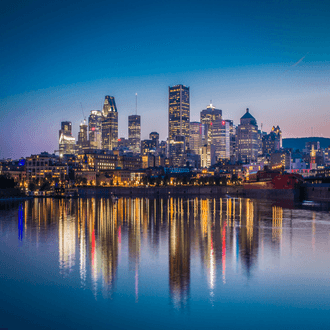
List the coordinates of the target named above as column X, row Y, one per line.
column 57, row 55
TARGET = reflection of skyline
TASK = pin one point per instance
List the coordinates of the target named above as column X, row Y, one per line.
column 179, row 253
column 225, row 235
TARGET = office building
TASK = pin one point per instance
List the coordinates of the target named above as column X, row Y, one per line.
column 272, row 142
column 208, row 116
column 67, row 143
column 195, row 137
column 178, row 113
column 178, row 151
column 82, row 142
column 95, row 129
column 134, row 133
column 109, row 124
column 248, row 139
column 154, row 136
column 178, row 123
column 221, row 139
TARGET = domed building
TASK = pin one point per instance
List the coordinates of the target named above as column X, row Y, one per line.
column 248, row 139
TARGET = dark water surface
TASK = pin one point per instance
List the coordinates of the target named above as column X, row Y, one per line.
column 164, row 263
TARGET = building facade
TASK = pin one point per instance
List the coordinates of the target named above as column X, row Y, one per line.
column 82, row 137
column 208, row 117
column 134, row 133
column 179, row 113
column 195, row 137
column 109, row 124
column 67, row 143
column 248, row 139
column 95, row 129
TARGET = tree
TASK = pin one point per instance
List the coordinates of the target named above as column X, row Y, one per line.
column 6, row 182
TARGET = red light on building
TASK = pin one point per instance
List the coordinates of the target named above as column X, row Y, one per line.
column 119, row 140
column 93, row 128
column 223, row 122
column 211, row 123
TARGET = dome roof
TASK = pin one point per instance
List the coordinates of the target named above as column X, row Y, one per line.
column 247, row 118
column 247, row 115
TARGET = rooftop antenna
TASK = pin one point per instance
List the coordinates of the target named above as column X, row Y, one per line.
column 136, row 103
column 261, row 127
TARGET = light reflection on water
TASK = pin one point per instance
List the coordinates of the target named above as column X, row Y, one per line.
column 211, row 243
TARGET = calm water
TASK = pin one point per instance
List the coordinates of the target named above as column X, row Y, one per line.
column 164, row 263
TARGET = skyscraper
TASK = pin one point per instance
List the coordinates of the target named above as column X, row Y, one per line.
column 178, row 120
column 179, row 112
column 221, row 139
column 95, row 129
column 195, row 136
column 154, row 136
column 248, row 145
column 134, row 133
column 82, row 137
column 208, row 116
column 66, row 140
column 109, row 123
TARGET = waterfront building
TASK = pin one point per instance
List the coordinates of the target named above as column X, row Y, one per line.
column 248, row 139
column 95, row 129
column 105, row 160
column 195, row 136
column 67, row 143
column 109, row 124
column 178, row 115
column 134, row 133
column 43, row 166
column 97, row 160
column 208, row 117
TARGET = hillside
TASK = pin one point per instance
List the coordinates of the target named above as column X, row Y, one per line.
column 299, row 143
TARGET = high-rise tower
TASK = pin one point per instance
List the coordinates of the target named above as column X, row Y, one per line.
column 208, row 117
column 95, row 129
column 178, row 113
column 82, row 137
column 134, row 133
column 109, row 124
column 66, row 140
column 178, row 123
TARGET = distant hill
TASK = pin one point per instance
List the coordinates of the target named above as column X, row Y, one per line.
column 299, row 143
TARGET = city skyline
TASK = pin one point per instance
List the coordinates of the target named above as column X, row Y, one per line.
column 271, row 58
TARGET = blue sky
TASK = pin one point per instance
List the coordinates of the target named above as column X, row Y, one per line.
column 56, row 55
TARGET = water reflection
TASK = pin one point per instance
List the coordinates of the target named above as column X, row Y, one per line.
column 227, row 236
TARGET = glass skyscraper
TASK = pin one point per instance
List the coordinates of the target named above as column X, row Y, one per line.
column 134, row 133
column 66, row 140
column 208, row 117
column 179, row 113
column 178, row 122
column 95, row 129
column 109, row 124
